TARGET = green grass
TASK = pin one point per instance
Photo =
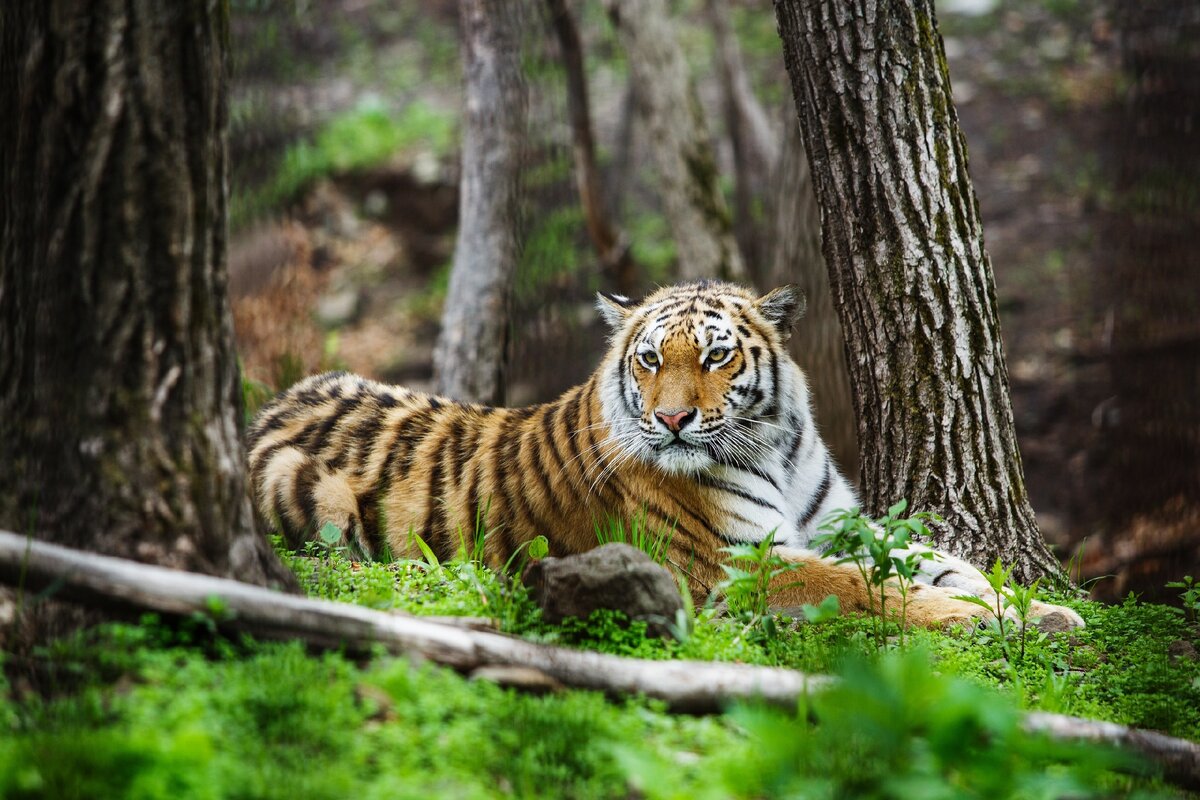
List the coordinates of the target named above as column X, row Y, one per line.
column 151, row 710
column 654, row 542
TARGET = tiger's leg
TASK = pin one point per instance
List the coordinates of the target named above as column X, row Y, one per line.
column 299, row 492
column 944, row 570
column 818, row 577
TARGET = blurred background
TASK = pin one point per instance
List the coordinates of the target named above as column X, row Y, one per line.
column 1081, row 127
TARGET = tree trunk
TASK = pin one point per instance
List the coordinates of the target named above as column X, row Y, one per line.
column 679, row 141
column 817, row 344
column 469, row 358
column 753, row 140
column 611, row 245
column 910, row 277
column 120, row 400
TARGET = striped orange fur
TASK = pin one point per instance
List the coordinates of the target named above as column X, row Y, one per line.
column 696, row 420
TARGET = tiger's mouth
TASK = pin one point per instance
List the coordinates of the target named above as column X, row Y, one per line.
column 680, row 456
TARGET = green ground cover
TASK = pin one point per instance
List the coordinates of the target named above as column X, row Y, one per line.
column 177, row 710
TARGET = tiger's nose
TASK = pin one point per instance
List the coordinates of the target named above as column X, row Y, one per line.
column 675, row 419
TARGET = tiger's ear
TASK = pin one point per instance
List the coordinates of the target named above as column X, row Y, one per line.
column 615, row 308
column 782, row 307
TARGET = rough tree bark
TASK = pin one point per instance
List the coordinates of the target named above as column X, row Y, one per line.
column 912, row 282
column 611, row 245
column 470, row 353
column 679, row 141
column 795, row 257
column 120, row 400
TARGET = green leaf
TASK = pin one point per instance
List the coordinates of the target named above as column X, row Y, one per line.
column 330, row 534
column 425, row 550
column 539, row 548
column 898, row 509
column 828, row 609
column 970, row 598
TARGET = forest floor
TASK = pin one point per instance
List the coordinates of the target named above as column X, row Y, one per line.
column 175, row 710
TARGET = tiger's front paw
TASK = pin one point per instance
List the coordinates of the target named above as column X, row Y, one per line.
column 937, row 607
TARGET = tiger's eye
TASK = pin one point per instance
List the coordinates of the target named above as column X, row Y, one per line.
column 717, row 355
column 650, row 359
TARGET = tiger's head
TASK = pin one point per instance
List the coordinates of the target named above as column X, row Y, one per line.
column 698, row 374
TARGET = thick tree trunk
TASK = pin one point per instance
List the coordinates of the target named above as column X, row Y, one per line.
column 817, row 344
column 912, row 282
column 469, row 359
column 120, row 400
column 611, row 245
column 679, row 141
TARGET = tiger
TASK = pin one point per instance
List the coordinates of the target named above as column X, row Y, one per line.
column 696, row 422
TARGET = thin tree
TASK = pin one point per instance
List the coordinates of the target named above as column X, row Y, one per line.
column 120, row 400
column 469, row 358
column 674, row 124
column 752, row 139
column 610, row 243
column 911, row 279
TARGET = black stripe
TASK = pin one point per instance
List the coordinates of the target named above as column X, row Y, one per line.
column 752, row 470
column 304, row 491
column 514, row 455
column 818, row 497
column 548, row 423
column 539, row 467
column 435, row 511
column 717, row 483
column 456, row 449
column 368, row 517
column 795, row 446
column 938, row 579
column 259, row 461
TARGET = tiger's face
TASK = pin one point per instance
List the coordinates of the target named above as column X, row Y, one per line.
column 697, row 372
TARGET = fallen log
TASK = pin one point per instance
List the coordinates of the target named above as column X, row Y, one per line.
column 103, row 581
column 687, row 686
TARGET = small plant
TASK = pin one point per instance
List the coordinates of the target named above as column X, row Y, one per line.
column 828, row 609
column 1190, row 596
column 654, row 542
column 1017, row 599
column 881, row 551
column 502, row 594
column 475, row 550
column 748, row 579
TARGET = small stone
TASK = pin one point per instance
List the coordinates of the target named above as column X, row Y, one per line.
column 340, row 308
column 377, row 699
column 1055, row 622
column 1182, row 648
column 375, row 204
column 615, row 576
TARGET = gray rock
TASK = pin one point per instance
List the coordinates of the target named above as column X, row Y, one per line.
column 1054, row 622
column 615, row 576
